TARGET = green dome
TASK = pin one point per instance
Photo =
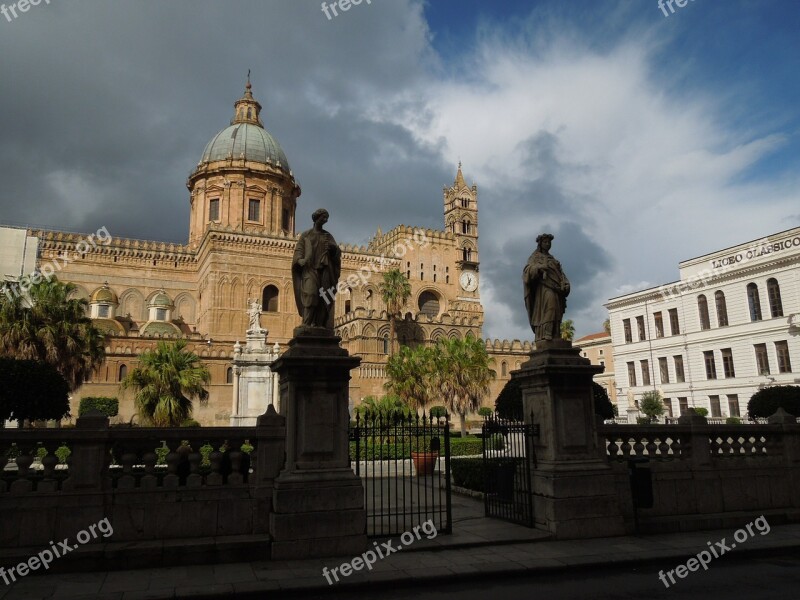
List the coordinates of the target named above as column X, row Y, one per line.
column 161, row 299
column 248, row 141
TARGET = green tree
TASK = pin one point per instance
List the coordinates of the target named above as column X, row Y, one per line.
column 766, row 401
column 395, row 290
column 46, row 324
column 166, row 381
column 409, row 376
column 567, row 330
column 461, row 375
column 509, row 401
column 387, row 407
column 652, row 405
column 31, row 390
column 602, row 403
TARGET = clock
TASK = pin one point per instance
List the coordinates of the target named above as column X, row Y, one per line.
column 469, row 281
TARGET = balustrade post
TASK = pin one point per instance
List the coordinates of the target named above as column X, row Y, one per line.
column 698, row 448
column 790, row 435
column 89, row 456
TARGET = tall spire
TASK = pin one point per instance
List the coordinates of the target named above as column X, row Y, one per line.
column 248, row 109
column 460, row 178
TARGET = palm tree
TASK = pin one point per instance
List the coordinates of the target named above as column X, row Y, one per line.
column 166, row 381
column 461, row 374
column 396, row 290
column 567, row 330
column 409, row 374
column 47, row 325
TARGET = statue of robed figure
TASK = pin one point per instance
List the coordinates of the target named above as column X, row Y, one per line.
column 546, row 291
column 316, row 266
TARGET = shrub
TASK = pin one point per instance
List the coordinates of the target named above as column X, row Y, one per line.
column 190, row 423
column 63, row 452
column 438, row 411
column 509, row 401
column 247, row 447
column 699, row 410
column 602, row 404
column 652, row 406
column 485, row 411
column 161, row 454
column 765, row 402
column 733, row 421
column 32, row 391
column 468, row 473
column 108, row 406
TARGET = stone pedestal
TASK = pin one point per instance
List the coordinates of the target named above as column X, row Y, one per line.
column 255, row 384
column 318, row 502
column 574, row 491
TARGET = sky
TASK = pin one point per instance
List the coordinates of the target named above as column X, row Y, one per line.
column 639, row 137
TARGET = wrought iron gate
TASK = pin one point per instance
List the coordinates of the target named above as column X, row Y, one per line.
column 404, row 463
column 507, row 456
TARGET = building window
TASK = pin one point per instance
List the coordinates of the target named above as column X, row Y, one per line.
column 722, row 309
column 347, row 306
column 727, row 362
column 213, row 209
column 679, row 375
column 683, row 405
column 285, row 220
column 716, row 411
column 711, row 367
column 782, row 350
column 102, row 311
column 269, row 299
column 123, row 372
column 626, row 325
column 504, row 368
column 161, row 314
column 702, row 309
column 254, row 210
column 645, row 372
column 774, row 295
column 640, row 327
column 429, row 304
column 733, row 405
column 762, row 360
column 229, row 375
column 674, row 326
column 659, row 324
column 663, row 369
column 668, row 406
column 753, row 302
column 600, row 351
column 631, row 374
column 386, row 343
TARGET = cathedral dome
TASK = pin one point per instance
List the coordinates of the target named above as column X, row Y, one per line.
column 245, row 141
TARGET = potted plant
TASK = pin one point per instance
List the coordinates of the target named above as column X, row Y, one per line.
column 425, row 461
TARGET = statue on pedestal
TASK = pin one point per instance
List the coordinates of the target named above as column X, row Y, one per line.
column 316, row 266
column 254, row 314
column 546, row 291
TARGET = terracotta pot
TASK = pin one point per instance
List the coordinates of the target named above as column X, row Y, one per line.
column 424, row 462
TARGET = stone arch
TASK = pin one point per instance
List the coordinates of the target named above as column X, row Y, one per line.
column 454, row 335
column 236, row 299
column 438, row 334
column 185, row 307
column 132, row 302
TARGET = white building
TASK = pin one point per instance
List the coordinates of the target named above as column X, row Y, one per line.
column 729, row 327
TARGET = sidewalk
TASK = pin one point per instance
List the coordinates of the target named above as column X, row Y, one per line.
column 455, row 557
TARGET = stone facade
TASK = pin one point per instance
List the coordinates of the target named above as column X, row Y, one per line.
column 243, row 223
column 597, row 347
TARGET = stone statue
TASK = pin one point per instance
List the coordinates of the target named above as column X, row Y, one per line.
column 316, row 265
column 254, row 312
column 546, row 291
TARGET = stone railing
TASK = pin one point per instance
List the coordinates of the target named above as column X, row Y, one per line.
column 152, row 483
column 694, row 438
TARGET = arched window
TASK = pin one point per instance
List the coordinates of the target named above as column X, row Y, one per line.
column 504, row 368
column 702, row 307
column 429, row 304
column 467, row 253
column 722, row 309
column 269, row 299
column 123, row 372
column 464, row 226
column 753, row 302
column 229, row 375
column 774, row 295
column 386, row 343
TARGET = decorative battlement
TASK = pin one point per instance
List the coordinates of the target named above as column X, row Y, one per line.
column 515, row 345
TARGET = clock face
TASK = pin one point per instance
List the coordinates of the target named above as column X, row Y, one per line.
column 469, row 281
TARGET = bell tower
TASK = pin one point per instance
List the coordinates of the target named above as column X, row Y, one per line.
column 461, row 219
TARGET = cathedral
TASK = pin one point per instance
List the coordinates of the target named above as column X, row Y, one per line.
column 243, row 225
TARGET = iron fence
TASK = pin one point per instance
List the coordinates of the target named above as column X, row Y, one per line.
column 507, row 456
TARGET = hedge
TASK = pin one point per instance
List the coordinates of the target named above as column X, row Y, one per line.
column 468, row 473
column 765, row 402
column 108, row 406
column 468, row 446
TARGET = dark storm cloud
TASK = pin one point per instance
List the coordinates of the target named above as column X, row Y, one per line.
column 106, row 108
